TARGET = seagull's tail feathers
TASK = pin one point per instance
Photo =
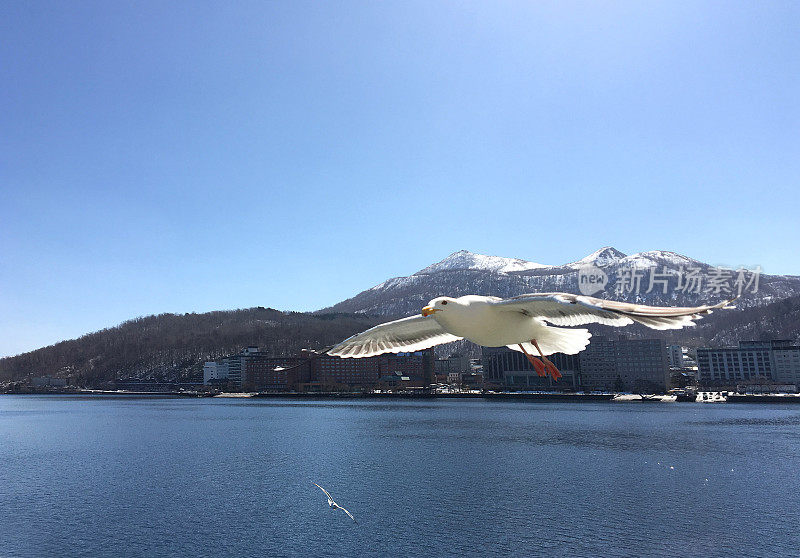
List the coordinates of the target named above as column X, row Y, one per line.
column 557, row 340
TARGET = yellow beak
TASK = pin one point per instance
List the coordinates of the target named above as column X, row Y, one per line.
column 428, row 310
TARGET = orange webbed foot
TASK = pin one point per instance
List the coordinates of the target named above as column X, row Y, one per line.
column 551, row 368
column 538, row 365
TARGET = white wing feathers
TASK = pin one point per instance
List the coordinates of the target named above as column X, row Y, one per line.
column 564, row 309
column 400, row 336
column 325, row 491
column 350, row 515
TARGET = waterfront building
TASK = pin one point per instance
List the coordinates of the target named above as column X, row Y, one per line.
column 729, row 365
column 675, row 355
column 775, row 361
column 330, row 372
column 214, row 371
column 236, row 371
column 472, row 379
column 507, row 369
column 786, row 356
column 268, row 373
column 639, row 365
column 48, row 381
column 454, row 364
column 232, row 369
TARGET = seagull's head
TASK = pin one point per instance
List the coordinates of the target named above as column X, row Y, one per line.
column 437, row 305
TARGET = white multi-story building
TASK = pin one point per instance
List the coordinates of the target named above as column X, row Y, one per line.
column 215, row 370
column 232, row 368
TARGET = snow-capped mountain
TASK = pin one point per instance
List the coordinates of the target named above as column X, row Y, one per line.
column 467, row 261
column 602, row 257
column 655, row 277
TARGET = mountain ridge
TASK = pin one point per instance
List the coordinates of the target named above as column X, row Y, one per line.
column 464, row 272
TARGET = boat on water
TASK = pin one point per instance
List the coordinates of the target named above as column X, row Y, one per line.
column 681, row 394
column 655, row 398
column 712, row 396
column 627, row 397
column 644, row 397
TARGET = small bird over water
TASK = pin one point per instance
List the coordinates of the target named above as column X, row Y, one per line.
column 333, row 504
column 528, row 323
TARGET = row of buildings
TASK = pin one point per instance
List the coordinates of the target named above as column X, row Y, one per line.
column 607, row 364
column 253, row 370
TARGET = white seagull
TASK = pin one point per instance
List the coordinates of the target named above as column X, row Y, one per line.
column 334, row 505
column 525, row 323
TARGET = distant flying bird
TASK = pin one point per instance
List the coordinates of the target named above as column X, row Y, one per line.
column 333, row 504
column 519, row 323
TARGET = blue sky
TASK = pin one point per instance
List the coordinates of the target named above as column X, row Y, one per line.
column 193, row 156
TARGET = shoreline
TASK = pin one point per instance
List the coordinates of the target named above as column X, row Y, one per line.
column 488, row 396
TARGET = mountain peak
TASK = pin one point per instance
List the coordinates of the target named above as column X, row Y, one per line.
column 604, row 256
column 466, row 260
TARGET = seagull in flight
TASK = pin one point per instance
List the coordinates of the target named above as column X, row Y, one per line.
column 333, row 504
column 530, row 323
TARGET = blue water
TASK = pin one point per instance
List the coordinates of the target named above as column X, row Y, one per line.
column 119, row 476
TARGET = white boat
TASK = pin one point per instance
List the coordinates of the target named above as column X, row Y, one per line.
column 712, row 396
column 644, row 397
column 627, row 397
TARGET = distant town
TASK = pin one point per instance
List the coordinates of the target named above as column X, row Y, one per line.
column 260, row 350
column 607, row 365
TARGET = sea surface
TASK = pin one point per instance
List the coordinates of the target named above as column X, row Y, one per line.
column 127, row 476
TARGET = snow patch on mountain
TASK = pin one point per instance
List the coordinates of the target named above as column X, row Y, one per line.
column 466, row 260
column 638, row 260
column 663, row 257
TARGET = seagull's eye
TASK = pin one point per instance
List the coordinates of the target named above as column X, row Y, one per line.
column 444, row 302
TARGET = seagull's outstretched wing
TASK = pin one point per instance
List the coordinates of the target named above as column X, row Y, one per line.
column 400, row 336
column 350, row 515
column 325, row 491
column 565, row 309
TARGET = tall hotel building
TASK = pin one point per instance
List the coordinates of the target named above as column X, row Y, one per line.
column 777, row 361
column 624, row 365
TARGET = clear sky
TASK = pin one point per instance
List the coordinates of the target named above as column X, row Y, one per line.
column 194, row 156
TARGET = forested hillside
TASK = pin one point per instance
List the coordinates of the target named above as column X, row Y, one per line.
column 174, row 346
